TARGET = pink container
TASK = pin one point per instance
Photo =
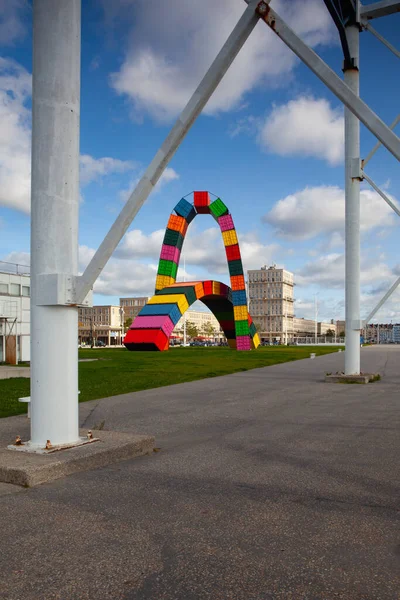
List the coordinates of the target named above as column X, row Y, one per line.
column 226, row 223
column 170, row 253
column 162, row 322
column 243, row 342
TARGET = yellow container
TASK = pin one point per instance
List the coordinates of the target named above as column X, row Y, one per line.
column 229, row 237
column 163, row 281
column 179, row 299
column 256, row 340
column 240, row 313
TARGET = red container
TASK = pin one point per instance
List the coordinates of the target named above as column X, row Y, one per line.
column 201, row 202
column 232, row 252
column 146, row 339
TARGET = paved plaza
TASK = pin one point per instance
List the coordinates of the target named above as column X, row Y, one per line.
column 268, row 484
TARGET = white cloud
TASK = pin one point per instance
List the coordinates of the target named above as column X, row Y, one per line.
column 15, row 142
column 305, row 127
column 93, row 169
column 12, row 26
column 171, row 53
column 320, row 210
column 15, row 90
column 168, row 176
column 328, row 271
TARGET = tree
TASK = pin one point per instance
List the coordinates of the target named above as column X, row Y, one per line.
column 191, row 329
column 342, row 334
column 128, row 323
column 209, row 329
column 330, row 333
column 257, row 326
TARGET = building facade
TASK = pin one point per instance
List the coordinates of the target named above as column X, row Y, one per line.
column 381, row 333
column 206, row 324
column 132, row 306
column 102, row 324
column 270, row 293
column 15, row 291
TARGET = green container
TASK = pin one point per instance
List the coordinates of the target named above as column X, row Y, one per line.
column 173, row 238
column 168, row 268
column 218, row 208
column 253, row 329
column 187, row 290
column 242, row 328
column 235, row 267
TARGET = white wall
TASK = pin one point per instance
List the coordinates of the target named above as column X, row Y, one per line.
column 18, row 307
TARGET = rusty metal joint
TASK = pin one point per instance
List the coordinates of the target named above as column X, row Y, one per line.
column 48, row 445
column 262, row 8
column 89, row 435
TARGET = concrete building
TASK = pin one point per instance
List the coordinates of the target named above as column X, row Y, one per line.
column 270, row 294
column 15, row 294
column 306, row 328
column 381, row 333
column 100, row 324
column 201, row 320
column 132, row 306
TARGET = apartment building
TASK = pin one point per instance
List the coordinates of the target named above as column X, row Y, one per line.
column 203, row 321
column 270, row 294
column 15, row 291
column 102, row 324
column 132, row 306
column 381, row 333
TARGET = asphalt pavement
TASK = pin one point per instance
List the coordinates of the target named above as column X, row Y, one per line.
column 267, row 484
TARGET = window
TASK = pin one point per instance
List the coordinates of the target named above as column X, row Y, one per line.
column 3, row 288
column 15, row 289
column 26, row 290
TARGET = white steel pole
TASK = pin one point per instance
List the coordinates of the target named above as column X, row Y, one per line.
column 352, row 212
column 54, row 225
column 316, row 318
column 184, row 315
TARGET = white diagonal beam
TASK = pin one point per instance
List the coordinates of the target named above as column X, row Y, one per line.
column 379, row 144
column 380, row 9
column 382, row 301
column 382, row 39
column 381, row 193
column 156, row 168
column 333, row 82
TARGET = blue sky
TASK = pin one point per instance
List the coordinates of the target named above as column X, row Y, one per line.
column 269, row 143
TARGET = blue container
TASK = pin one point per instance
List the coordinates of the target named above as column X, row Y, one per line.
column 186, row 210
column 239, row 298
column 171, row 310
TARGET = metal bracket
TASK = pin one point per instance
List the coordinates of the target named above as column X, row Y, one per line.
column 355, row 169
column 59, row 289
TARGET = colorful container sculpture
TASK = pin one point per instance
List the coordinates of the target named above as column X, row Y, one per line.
column 153, row 326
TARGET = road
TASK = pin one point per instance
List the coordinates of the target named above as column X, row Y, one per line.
column 268, row 484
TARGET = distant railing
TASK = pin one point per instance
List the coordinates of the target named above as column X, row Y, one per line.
column 328, row 340
column 14, row 268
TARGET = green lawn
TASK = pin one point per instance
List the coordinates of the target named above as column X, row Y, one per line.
column 118, row 371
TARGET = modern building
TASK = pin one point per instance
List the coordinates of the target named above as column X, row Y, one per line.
column 206, row 324
column 132, row 306
column 15, row 291
column 381, row 333
column 102, row 324
column 270, row 293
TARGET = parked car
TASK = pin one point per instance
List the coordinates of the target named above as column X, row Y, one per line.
column 100, row 344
